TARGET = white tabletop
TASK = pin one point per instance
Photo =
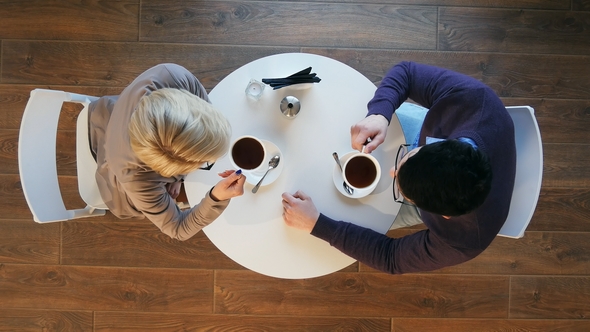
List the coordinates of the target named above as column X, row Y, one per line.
column 251, row 231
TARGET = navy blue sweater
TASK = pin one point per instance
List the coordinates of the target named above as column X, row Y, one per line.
column 459, row 106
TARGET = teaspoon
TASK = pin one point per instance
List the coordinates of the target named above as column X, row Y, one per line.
column 347, row 188
column 274, row 161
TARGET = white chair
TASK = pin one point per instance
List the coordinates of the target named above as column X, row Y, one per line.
column 37, row 158
column 529, row 171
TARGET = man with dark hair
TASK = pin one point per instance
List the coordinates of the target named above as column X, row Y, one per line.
column 461, row 174
column 457, row 178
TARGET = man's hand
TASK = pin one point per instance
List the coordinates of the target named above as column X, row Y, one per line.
column 232, row 185
column 373, row 127
column 299, row 211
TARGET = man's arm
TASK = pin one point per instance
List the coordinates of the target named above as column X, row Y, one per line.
column 423, row 84
column 421, row 251
column 418, row 252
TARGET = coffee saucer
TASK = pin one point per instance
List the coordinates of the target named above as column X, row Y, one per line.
column 338, row 180
column 252, row 177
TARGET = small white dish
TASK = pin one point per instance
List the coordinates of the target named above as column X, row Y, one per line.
column 252, row 177
column 339, row 179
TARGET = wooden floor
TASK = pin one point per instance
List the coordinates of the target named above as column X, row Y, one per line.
column 103, row 274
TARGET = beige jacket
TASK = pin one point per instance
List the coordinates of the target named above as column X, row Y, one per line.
column 128, row 187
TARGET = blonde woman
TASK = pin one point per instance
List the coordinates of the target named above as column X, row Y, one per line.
column 146, row 141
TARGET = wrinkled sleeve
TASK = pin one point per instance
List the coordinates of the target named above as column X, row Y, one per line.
column 152, row 199
column 416, row 252
column 423, row 84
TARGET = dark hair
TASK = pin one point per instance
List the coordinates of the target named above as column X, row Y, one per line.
column 450, row 178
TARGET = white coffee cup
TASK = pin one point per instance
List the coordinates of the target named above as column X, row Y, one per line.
column 247, row 153
column 361, row 171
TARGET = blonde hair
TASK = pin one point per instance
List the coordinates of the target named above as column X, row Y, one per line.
column 174, row 132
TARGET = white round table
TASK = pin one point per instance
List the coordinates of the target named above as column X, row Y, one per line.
column 251, row 231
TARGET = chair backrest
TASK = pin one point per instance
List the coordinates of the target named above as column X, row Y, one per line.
column 529, row 171
column 37, row 158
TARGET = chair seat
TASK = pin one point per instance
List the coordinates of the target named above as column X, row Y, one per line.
column 86, row 164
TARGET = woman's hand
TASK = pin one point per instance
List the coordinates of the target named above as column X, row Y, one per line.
column 373, row 129
column 173, row 189
column 232, row 185
column 299, row 211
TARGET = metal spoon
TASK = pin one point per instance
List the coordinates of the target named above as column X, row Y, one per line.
column 347, row 188
column 274, row 161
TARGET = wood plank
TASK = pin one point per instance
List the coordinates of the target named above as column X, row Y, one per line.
column 527, row 76
column 28, row 242
column 90, row 20
column 8, row 151
column 13, row 100
column 118, row 64
column 137, row 243
column 537, row 253
column 562, row 209
column 163, row 322
column 553, row 115
column 509, row 75
column 533, row 4
column 566, row 165
column 550, row 297
column 66, row 153
column 288, row 24
column 581, row 5
column 488, row 325
column 45, row 320
column 513, row 31
column 362, row 295
column 103, row 288
column 13, row 204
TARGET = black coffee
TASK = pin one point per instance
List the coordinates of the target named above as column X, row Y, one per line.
column 247, row 153
column 360, row 172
